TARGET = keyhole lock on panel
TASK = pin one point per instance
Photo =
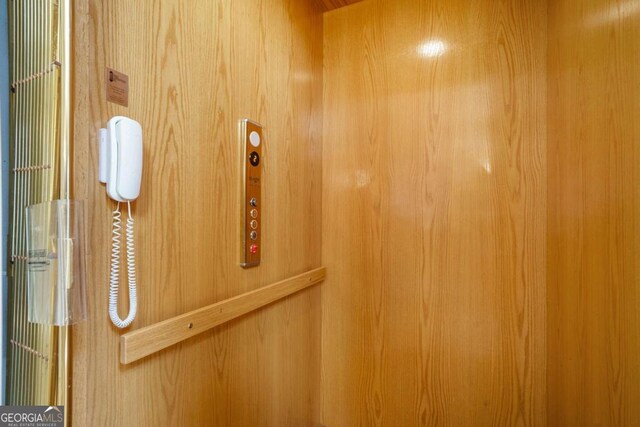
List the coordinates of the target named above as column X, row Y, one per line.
column 254, row 158
column 251, row 144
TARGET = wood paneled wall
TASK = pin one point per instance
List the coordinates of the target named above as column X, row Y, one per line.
column 434, row 213
column 594, row 213
column 432, row 179
column 195, row 68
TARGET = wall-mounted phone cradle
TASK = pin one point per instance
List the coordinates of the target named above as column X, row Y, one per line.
column 120, row 168
column 120, row 155
column 251, row 144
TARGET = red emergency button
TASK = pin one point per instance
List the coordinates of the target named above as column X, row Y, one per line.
column 253, row 249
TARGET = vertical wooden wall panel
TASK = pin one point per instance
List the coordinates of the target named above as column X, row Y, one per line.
column 434, row 213
column 594, row 213
column 195, row 68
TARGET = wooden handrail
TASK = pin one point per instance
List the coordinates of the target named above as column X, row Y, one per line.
column 140, row 343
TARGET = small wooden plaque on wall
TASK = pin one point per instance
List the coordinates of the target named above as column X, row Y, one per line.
column 117, row 87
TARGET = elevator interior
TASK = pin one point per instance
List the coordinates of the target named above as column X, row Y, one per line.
column 441, row 228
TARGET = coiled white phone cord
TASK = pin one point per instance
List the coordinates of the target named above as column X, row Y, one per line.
column 115, row 269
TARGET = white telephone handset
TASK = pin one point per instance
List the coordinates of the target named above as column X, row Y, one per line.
column 121, row 169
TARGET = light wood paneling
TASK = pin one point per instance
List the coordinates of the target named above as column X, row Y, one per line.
column 434, row 213
column 327, row 5
column 153, row 338
column 195, row 68
column 77, row 337
column 594, row 213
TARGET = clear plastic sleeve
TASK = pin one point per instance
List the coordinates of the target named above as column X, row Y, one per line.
column 56, row 263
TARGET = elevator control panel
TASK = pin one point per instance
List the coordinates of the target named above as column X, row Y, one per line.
column 251, row 145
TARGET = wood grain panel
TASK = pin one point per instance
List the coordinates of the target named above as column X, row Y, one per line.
column 594, row 213
column 327, row 5
column 434, row 213
column 151, row 339
column 77, row 365
column 195, row 68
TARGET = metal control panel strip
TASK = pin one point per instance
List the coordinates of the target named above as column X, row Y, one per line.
column 251, row 143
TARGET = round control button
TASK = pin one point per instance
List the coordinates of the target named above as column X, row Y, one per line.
column 253, row 235
column 254, row 158
column 254, row 224
column 253, row 202
column 254, row 213
column 254, row 138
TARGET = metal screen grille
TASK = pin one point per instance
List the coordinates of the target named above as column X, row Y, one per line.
column 36, row 354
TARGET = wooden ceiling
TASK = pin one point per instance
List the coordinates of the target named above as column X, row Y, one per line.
column 335, row 4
